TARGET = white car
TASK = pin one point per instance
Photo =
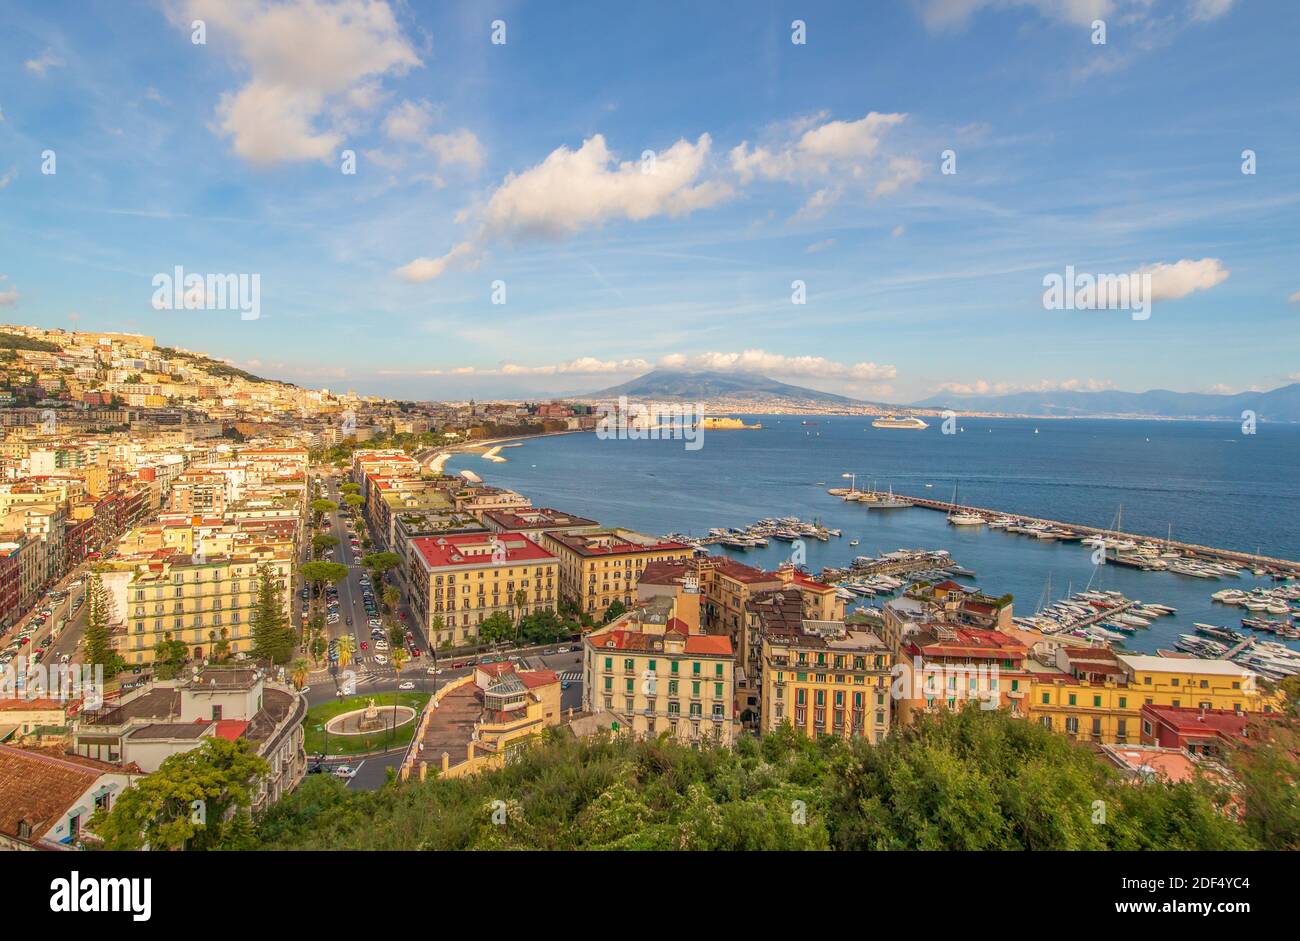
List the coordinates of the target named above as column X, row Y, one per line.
column 381, row 645
column 407, row 685
column 380, row 659
column 434, row 671
column 343, row 771
column 563, row 650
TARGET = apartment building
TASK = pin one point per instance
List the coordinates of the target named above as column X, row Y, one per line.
column 599, row 567
column 657, row 672
column 198, row 600
column 464, row 579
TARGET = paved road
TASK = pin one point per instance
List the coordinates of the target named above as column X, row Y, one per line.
column 69, row 637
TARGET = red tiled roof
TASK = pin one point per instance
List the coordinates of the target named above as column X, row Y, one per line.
column 710, row 644
column 1186, row 720
column 231, row 729
column 582, row 543
column 475, row 549
column 535, row 678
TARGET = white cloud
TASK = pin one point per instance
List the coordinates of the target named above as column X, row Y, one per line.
column 1170, row 282
column 412, row 122
column 948, row 14
column 817, row 152
column 312, row 64
column 43, row 63
column 409, row 122
column 834, row 156
column 748, row 361
column 1294, row 298
column 821, row 246
column 778, row 364
column 1210, row 9
column 984, row 387
column 8, row 177
column 898, row 231
column 586, row 365
column 458, row 147
column 7, row 296
column 572, row 190
column 953, row 14
column 426, row 269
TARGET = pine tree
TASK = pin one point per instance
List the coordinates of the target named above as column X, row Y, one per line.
column 99, row 648
column 272, row 637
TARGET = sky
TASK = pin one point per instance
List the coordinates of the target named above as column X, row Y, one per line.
column 527, row 199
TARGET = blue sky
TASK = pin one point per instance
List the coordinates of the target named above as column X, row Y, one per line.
column 774, row 162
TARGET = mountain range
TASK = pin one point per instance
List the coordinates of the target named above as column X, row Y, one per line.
column 1279, row 405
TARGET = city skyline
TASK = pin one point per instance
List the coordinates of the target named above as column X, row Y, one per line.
column 517, row 171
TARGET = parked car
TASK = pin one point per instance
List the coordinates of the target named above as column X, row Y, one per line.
column 380, row 659
column 344, row 771
column 407, row 685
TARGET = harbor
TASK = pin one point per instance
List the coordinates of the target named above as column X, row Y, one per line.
column 1122, row 548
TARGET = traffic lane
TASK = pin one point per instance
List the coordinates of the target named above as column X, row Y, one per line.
column 58, row 611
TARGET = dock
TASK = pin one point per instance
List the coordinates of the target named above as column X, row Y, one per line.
column 1286, row 567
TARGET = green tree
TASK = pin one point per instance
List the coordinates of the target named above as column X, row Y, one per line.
column 391, row 597
column 349, row 488
column 169, row 657
column 496, row 627
column 320, row 507
column 377, row 563
column 273, row 638
column 1266, row 765
column 322, row 541
column 353, row 500
column 320, row 574
column 160, row 811
column 616, row 609
column 99, row 648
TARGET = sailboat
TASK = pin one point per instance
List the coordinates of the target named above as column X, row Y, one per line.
column 962, row 519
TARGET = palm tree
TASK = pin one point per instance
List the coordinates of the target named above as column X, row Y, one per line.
column 345, row 650
column 391, row 597
column 300, row 669
column 398, row 659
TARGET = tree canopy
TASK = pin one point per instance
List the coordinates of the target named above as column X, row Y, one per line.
column 973, row 780
column 160, row 810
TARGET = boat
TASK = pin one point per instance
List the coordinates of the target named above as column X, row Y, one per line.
column 890, row 421
column 853, row 542
column 966, row 519
column 889, row 502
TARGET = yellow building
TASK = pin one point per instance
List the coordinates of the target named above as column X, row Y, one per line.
column 656, row 673
column 1096, row 695
column 601, row 567
column 198, row 601
column 821, row 677
column 464, row 579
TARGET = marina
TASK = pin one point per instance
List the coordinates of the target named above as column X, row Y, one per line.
column 1121, row 548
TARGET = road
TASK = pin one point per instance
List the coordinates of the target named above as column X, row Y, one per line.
column 69, row 637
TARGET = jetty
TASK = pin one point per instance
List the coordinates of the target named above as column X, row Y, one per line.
column 1285, row 567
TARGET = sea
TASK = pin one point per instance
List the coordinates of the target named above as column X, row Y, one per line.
column 1199, row 482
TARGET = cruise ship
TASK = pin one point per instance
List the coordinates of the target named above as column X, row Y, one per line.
column 891, row 421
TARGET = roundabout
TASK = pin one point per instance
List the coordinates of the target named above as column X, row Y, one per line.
column 370, row 719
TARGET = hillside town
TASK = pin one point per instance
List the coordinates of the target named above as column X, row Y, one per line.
column 282, row 582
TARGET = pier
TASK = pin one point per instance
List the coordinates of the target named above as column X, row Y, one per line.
column 1287, row 567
